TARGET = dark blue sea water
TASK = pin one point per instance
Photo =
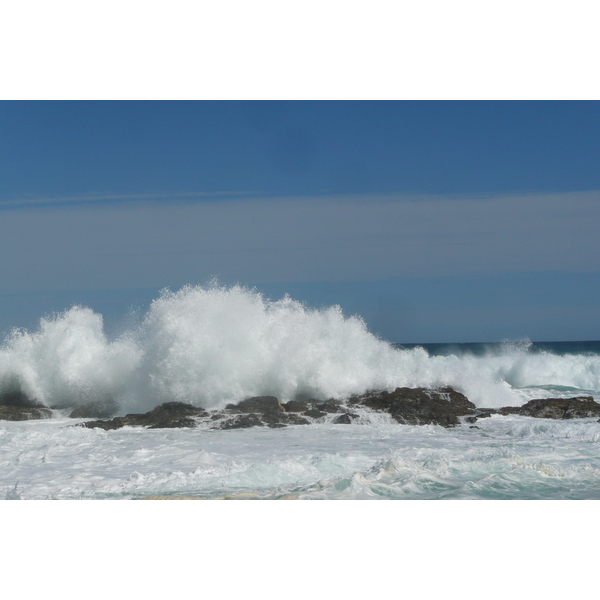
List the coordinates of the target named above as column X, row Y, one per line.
column 482, row 349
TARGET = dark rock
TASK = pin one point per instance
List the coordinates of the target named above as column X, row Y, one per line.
column 306, row 406
column 296, row 406
column 257, row 411
column 295, row 419
column 135, row 418
column 241, row 422
column 18, row 406
column 329, row 406
column 509, row 410
column 344, row 419
column 580, row 407
column 419, row 406
column 115, row 423
column 97, row 409
column 443, row 406
column 479, row 413
column 484, row 413
column 270, row 419
column 474, row 427
column 314, row 414
column 16, row 413
column 167, row 415
column 171, row 424
column 257, row 404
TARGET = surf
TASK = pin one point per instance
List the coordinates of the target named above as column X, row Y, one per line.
column 214, row 344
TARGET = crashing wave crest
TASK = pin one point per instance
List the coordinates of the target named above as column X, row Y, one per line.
column 215, row 344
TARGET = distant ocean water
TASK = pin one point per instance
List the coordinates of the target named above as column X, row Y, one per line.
column 214, row 345
column 482, row 349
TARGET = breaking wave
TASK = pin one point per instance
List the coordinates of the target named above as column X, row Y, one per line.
column 214, row 344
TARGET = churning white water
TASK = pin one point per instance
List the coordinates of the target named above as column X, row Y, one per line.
column 506, row 457
column 213, row 345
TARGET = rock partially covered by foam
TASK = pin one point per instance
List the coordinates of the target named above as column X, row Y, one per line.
column 580, row 407
column 442, row 406
column 106, row 424
column 167, row 415
column 18, row 406
column 420, row 406
column 257, row 404
column 267, row 411
column 258, row 411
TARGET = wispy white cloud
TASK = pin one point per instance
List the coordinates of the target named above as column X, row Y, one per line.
column 138, row 242
column 38, row 201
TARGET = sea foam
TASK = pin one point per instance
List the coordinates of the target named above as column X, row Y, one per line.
column 210, row 345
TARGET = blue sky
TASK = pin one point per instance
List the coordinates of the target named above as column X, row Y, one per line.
column 436, row 221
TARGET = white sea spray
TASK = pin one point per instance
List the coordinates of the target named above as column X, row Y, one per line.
column 210, row 345
column 68, row 360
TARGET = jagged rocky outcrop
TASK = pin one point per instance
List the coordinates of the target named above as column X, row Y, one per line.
column 251, row 412
column 267, row 411
column 420, row 406
column 257, row 404
column 18, row 406
column 258, row 411
column 345, row 419
column 509, row 410
column 167, row 415
column 580, row 407
column 411, row 406
column 444, row 406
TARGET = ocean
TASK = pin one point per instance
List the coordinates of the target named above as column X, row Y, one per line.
column 213, row 345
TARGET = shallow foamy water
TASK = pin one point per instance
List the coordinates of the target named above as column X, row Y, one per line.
column 507, row 458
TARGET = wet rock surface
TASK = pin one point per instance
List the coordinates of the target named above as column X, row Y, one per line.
column 329, row 406
column 509, row 410
column 296, row 406
column 443, row 406
column 13, row 413
column 106, row 424
column 259, row 411
column 580, row 407
column 257, row 404
column 242, row 422
column 167, row 415
column 17, row 406
column 484, row 413
column 420, row 406
column 410, row 406
column 313, row 413
column 345, row 419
